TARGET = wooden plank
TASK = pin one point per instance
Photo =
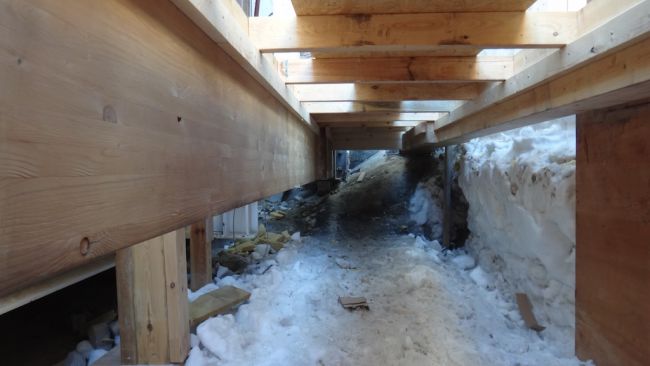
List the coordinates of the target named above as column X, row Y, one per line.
column 403, row 32
column 351, row 70
column 310, row 7
column 106, row 109
column 386, row 92
column 366, row 139
column 152, row 300
column 216, row 302
column 612, row 231
column 619, row 78
column 362, row 107
column 201, row 234
column 377, row 117
column 440, row 51
column 534, row 85
column 226, row 24
column 38, row 290
column 380, row 124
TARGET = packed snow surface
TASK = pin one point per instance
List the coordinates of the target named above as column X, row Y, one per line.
column 425, row 309
column 520, row 186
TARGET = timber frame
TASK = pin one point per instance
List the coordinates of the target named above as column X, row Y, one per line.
column 125, row 121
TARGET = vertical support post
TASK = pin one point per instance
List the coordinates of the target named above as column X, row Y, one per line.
column 447, row 181
column 201, row 253
column 152, row 301
column 612, row 236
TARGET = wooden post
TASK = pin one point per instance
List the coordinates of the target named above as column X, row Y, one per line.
column 152, row 301
column 201, row 253
column 447, row 181
column 613, row 236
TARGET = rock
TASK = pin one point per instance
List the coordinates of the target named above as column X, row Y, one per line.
column 74, row 358
column 233, row 262
column 84, row 347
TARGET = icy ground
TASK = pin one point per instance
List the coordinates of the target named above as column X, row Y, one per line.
column 426, row 307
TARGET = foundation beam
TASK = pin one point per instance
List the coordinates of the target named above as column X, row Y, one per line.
column 152, row 301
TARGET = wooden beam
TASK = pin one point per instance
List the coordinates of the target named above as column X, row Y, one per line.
column 603, row 68
column 112, row 106
column 152, row 301
column 394, row 124
column 401, row 32
column 350, row 70
column 225, row 22
column 53, row 284
column 377, row 117
column 386, row 92
column 613, row 216
column 441, row 51
column 331, row 7
column 359, row 107
column 201, row 234
column 366, row 138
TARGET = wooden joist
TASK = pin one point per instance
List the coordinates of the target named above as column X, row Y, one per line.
column 403, row 32
column 366, row 138
column 330, row 7
column 358, row 107
column 377, row 117
column 377, row 69
column 394, row 124
column 121, row 121
column 386, row 92
column 603, row 68
column 227, row 25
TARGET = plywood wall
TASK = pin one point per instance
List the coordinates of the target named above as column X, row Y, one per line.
column 120, row 121
column 613, row 236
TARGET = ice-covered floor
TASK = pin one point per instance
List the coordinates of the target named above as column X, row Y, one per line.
column 425, row 309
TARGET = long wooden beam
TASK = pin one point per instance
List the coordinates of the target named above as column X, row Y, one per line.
column 120, row 120
column 402, row 32
column 377, row 117
column 366, row 138
column 393, row 124
column 386, row 92
column 310, row 7
column 225, row 22
column 605, row 67
column 402, row 107
column 401, row 69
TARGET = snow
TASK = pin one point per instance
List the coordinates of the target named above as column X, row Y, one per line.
column 423, row 311
column 424, row 207
column 520, row 186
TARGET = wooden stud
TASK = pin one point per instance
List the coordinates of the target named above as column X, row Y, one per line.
column 201, row 234
column 152, row 300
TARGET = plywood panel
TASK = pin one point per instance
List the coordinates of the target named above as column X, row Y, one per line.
column 311, row 7
column 613, row 237
column 120, row 120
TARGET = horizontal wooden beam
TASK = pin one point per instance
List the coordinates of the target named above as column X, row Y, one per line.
column 366, row 138
column 310, row 7
column 122, row 121
column 402, row 107
column 377, row 117
column 386, row 92
column 597, row 68
column 394, row 124
column 401, row 32
column 225, row 22
column 376, row 69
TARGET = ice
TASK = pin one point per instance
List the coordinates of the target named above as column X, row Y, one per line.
column 464, row 261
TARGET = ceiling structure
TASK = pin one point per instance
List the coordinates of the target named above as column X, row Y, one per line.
column 365, row 62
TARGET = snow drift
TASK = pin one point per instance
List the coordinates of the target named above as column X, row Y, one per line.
column 520, row 186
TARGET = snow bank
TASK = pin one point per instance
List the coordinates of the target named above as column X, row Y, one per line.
column 425, row 207
column 520, row 186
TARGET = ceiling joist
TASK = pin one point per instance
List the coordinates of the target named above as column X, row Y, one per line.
column 377, row 117
column 350, row 70
column 386, row 92
column 359, row 107
column 332, row 7
column 412, row 32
